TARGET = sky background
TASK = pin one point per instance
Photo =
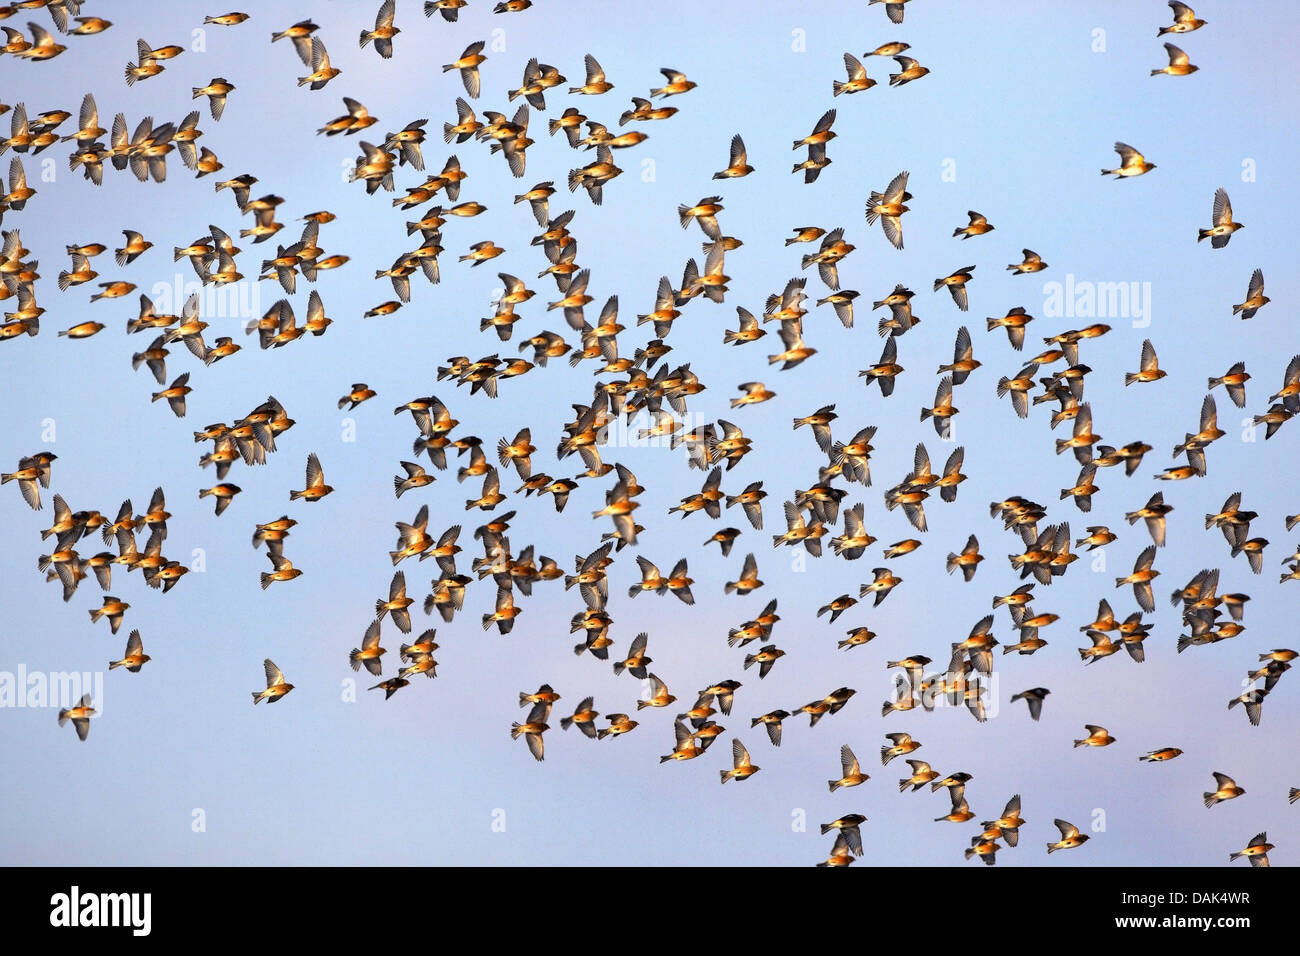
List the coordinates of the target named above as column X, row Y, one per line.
column 1019, row 108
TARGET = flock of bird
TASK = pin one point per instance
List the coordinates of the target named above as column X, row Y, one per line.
column 628, row 386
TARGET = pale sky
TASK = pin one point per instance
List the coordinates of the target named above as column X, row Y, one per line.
column 1018, row 114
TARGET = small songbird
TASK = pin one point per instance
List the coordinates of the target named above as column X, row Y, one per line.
column 848, row 826
column 1070, row 837
column 910, row 70
column 393, row 685
column 369, row 653
column 276, row 685
column 1034, row 698
column 978, row 226
column 902, row 743
column 1141, row 578
column 742, row 768
column 584, row 716
column 175, row 394
column 135, row 657
column 851, row 774
column 619, row 724
column 316, row 488
column 956, row 283
column 1223, row 227
column 1225, row 789
column 1253, row 701
column 1256, row 851
column 533, row 728
column 677, row 83
column 921, row 775
column 858, row 79
column 1255, row 298
column 1031, row 263
column 889, row 207
column 1131, row 163
column 468, row 64
column 1178, row 63
column 1161, row 755
column 968, row 560
column 384, row 30
column 1150, row 370
column 1185, row 19
column 80, row 716
column 113, row 609
column 284, row 570
column 1097, row 737
column 216, row 92
column 738, row 163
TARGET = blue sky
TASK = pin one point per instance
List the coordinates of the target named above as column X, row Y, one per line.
column 1019, row 111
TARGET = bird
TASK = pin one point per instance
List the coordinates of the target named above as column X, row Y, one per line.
column 384, row 30
column 888, row 207
column 1221, row 232
column 1032, row 263
column 80, row 716
column 369, row 653
column 1131, row 163
column 1143, row 574
column 216, row 91
column 532, row 729
column 857, row 77
column 1097, row 737
column 909, row 70
column 848, row 827
column 1150, row 370
column 1255, row 297
column 468, row 63
column 316, row 488
column 1178, row 63
column 1034, row 698
column 742, row 768
column 1256, row 850
column 1185, row 19
column 978, row 226
column 134, row 658
column 1070, row 837
column 1225, row 789
column 276, row 685
column 1161, row 755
